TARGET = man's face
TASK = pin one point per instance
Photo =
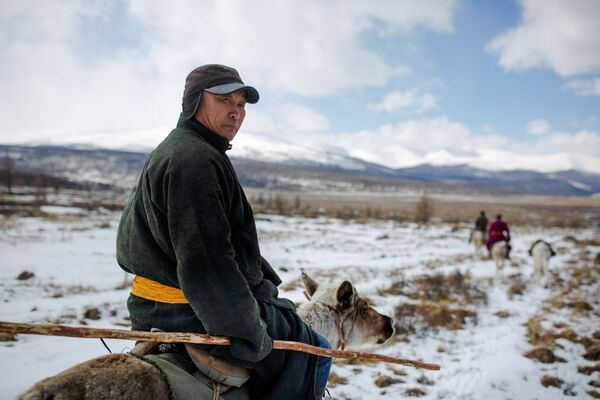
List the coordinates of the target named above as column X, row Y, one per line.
column 222, row 114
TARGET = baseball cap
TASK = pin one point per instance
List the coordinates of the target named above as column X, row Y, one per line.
column 214, row 78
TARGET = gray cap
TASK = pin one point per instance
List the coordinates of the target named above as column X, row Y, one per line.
column 216, row 79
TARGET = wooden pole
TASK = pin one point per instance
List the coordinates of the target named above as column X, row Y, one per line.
column 197, row 338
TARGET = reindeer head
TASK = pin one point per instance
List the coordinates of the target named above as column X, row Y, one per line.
column 340, row 308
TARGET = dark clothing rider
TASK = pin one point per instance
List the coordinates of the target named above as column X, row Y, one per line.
column 188, row 234
column 482, row 223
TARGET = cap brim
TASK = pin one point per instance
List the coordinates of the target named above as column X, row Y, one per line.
column 228, row 88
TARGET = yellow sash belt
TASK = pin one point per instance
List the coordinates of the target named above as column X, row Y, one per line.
column 155, row 291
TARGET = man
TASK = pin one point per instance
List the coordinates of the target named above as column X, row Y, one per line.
column 498, row 231
column 189, row 236
column 481, row 223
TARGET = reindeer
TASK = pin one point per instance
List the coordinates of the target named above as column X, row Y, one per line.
column 337, row 312
column 499, row 253
column 541, row 251
column 477, row 238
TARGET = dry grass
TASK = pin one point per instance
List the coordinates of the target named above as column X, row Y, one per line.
column 516, row 289
column 436, row 301
column 8, row 337
column 579, row 283
column 594, row 394
column 412, row 317
column 593, row 353
column 445, row 207
column 543, row 355
column 538, row 336
column 587, row 370
column 414, row 392
column 335, row 379
column 439, row 288
column 553, row 381
column 382, row 380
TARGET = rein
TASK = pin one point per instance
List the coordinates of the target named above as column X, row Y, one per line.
column 339, row 322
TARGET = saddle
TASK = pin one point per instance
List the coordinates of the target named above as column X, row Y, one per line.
column 216, row 368
column 193, row 373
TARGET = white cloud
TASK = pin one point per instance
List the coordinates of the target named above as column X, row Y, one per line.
column 584, row 87
column 50, row 87
column 304, row 47
column 406, row 143
column 441, row 141
column 299, row 118
column 398, row 100
column 538, row 127
column 561, row 35
column 291, row 121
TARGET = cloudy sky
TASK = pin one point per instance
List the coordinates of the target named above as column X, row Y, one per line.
column 493, row 83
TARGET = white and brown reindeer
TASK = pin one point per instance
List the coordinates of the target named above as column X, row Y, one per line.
column 541, row 251
column 478, row 239
column 342, row 316
column 499, row 253
column 337, row 312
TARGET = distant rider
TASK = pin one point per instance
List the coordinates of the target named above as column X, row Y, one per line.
column 481, row 224
column 498, row 231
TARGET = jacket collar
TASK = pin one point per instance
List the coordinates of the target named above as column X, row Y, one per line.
column 195, row 126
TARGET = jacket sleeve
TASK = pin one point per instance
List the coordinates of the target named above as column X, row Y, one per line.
column 197, row 203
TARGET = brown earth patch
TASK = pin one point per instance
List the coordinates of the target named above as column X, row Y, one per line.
column 8, row 337
column 587, row 370
column 414, row 392
column 423, row 380
column 409, row 317
column 553, row 381
column 335, row 379
column 453, row 288
column 543, row 355
column 593, row 353
column 25, row 275
column 382, row 380
column 398, row 372
column 516, row 290
column 92, row 313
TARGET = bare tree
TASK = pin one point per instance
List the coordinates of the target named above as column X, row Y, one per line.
column 279, row 204
column 423, row 210
column 9, row 167
column 40, row 183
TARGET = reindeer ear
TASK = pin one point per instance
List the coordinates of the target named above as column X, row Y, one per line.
column 310, row 285
column 345, row 295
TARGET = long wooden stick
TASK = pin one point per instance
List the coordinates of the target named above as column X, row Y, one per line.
column 197, row 338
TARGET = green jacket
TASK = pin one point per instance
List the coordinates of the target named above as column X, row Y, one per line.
column 189, row 225
column 481, row 224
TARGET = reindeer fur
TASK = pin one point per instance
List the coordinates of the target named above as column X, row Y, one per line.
column 124, row 376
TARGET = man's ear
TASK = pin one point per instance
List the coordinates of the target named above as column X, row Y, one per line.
column 310, row 285
column 346, row 296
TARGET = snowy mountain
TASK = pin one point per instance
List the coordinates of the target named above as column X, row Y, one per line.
column 268, row 163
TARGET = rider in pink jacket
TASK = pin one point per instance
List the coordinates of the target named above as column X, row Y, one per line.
column 497, row 231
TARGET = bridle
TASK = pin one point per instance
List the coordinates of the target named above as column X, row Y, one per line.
column 340, row 320
column 339, row 324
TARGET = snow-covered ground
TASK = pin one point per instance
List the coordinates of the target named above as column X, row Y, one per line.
column 71, row 256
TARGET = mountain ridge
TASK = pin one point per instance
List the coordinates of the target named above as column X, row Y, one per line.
column 308, row 169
